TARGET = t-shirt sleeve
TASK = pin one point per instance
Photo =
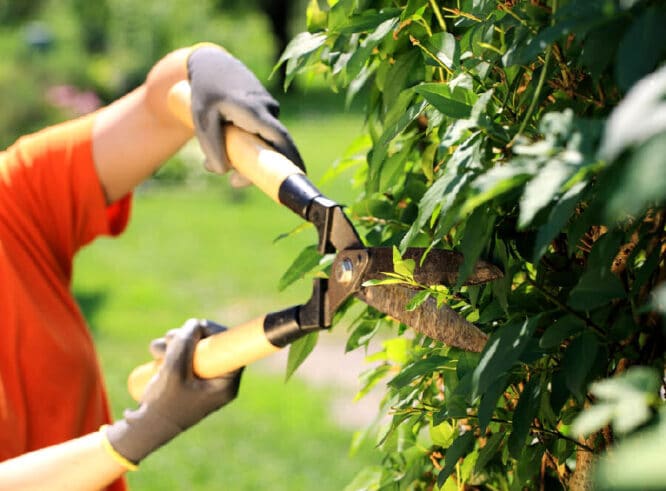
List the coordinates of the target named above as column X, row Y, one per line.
column 54, row 186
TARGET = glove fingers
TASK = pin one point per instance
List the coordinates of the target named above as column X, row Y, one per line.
column 180, row 348
column 158, row 348
column 226, row 386
column 261, row 122
column 211, row 327
column 276, row 134
column 211, row 141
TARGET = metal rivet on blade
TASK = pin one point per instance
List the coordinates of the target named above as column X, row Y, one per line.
column 345, row 271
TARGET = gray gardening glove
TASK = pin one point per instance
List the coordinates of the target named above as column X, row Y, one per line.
column 175, row 399
column 226, row 91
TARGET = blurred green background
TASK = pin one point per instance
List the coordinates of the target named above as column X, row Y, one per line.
column 195, row 247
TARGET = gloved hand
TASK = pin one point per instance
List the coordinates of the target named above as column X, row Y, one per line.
column 175, row 399
column 226, row 91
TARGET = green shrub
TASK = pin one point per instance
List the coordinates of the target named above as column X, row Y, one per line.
column 531, row 134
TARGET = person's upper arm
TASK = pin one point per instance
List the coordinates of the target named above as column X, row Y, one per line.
column 136, row 134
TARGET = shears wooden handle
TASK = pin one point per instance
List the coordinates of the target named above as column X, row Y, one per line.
column 238, row 346
column 216, row 355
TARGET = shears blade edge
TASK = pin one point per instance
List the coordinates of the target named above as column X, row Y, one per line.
column 437, row 322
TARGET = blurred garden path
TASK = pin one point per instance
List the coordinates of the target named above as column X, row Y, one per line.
column 329, row 367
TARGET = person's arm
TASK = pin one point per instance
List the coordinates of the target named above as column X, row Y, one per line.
column 76, row 465
column 174, row 400
column 136, row 134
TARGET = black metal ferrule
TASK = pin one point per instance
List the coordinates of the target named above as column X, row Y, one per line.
column 282, row 328
column 296, row 193
column 320, row 214
column 312, row 316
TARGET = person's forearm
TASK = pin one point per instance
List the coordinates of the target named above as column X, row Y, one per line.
column 136, row 134
column 76, row 465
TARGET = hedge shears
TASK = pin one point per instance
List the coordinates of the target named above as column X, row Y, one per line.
column 353, row 268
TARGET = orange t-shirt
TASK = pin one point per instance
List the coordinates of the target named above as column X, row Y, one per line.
column 51, row 204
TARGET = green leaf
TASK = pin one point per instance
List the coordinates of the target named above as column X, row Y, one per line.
column 419, row 368
column 316, row 18
column 637, row 462
column 368, row 479
column 632, row 393
column 596, row 288
column 460, row 447
column 659, row 298
column 299, row 350
column 467, row 362
column 557, row 219
column 529, row 465
column 642, row 47
column 363, row 332
column 593, row 418
column 444, row 192
column 488, row 451
column 643, row 181
column 543, row 188
column 525, row 412
column 443, row 45
column 418, row 299
column 637, row 118
column 306, row 261
column 403, row 267
column 400, row 116
column 625, row 401
column 574, row 17
column 370, row 19
column 478, row 231
column 600, row 47
column 501, row 352
column 598, row 285
column 445, row 100
column 559, row 393
column 443, row 434
column 497, row 181
column 561, row 329
column 400, row 74
column 489, row 400
column 340, row 13
column 397, row 350
column 302, row 44
column 526, row 52
column 578, row 363
column 370, row 378
column 645, row 271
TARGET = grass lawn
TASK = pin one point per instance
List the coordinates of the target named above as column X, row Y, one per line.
column 211, row 252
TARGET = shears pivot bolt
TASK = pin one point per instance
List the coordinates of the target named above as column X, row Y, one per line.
column 345, row 271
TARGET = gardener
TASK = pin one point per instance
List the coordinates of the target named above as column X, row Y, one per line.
column 59, row 189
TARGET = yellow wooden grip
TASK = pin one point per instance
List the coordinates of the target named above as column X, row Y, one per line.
column 249, row 154
column 215, row 355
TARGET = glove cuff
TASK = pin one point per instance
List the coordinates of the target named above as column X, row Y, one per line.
column 115, row 455
column 140, row 433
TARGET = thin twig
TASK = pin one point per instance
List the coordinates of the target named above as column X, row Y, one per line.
column 438, row 15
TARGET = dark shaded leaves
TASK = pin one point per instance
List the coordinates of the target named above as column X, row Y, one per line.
column 458, row 449
column 502, row 351
column 525, row 412
column 579, row 360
